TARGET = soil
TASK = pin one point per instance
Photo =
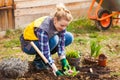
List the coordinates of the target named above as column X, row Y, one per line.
column 87, row 72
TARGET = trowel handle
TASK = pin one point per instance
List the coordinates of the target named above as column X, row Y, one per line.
column 41, row 55
column 39, row 52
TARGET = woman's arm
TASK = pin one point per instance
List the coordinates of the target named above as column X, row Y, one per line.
column 61, row 45
column 44, row 44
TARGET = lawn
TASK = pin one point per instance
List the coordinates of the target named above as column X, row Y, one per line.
column 84, row 31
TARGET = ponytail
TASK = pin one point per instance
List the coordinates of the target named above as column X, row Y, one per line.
column 62, row 13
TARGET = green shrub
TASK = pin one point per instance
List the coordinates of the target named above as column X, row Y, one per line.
column 73, row 54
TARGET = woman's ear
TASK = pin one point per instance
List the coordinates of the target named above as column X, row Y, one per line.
column 55, row 19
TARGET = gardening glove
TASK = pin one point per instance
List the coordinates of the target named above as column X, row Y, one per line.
column 55, row 70
column 65, row 64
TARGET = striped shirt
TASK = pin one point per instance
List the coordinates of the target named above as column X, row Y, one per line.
column 43, row 40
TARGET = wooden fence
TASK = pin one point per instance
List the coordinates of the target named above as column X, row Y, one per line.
column 28, row 10
column 6, row 15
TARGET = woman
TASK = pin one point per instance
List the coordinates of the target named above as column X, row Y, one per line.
column 50, row 36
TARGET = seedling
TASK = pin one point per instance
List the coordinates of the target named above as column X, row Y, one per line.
column 71, row 72
column 95, row 49
column 73, row 54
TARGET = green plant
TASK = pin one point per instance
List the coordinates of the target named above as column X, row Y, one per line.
column 82, row 25
column 95, row 48
column 73, row 54
column 71, row 72
column 12, row 43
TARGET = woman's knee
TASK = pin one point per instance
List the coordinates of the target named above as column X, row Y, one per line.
column 53, row 42
column 30, row 50
column 68, row 38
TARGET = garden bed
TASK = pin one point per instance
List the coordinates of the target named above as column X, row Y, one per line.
column 87, row 72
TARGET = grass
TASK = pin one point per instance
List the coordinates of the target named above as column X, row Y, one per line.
column 81, row 26
column 12, row 43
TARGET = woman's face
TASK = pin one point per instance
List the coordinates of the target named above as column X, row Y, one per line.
column 61, row 24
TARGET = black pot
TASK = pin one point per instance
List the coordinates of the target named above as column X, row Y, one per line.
column 90, row 61
column 74, row 61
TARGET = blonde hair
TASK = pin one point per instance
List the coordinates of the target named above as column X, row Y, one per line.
column 62, row 13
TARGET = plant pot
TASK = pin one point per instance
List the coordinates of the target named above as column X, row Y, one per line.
column 90, row 61
column 102, row 60
column 74, row 61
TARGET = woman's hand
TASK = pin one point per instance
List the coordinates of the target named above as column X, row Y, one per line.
column 65, row 64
